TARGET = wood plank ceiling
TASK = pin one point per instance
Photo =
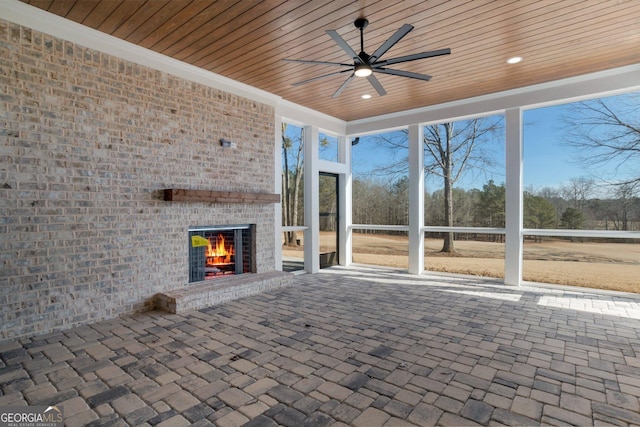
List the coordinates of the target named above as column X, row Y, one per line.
column 246, row 40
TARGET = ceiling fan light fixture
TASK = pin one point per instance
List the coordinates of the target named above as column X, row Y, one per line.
column 363, row 70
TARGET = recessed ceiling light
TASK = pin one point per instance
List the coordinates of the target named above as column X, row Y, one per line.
column 366, row 96
column 514, row 60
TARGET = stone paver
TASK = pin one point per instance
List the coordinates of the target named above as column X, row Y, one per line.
column 354, row 346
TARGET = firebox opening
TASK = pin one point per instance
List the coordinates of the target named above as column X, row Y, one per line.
column 219, row 251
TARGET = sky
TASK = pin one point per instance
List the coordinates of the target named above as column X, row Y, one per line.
column 547, row 162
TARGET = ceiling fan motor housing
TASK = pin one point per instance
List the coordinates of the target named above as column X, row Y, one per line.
column 361, row 23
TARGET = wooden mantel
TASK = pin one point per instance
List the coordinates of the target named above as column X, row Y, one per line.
column 184, row 195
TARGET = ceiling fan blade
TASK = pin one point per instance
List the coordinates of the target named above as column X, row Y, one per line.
column 319, row 77
column 343, row 44
column 413, row 57
column 304, row 61
column 395, row 38
column 343, row 86
column 376, row 85
column 402, row 73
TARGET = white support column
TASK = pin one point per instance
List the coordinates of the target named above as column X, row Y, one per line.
column 311, row 200
column 416, row 200
column 513, row 198
column 277, row 211
column 345, row 201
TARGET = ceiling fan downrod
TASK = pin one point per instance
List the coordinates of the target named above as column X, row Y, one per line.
column 361, row 24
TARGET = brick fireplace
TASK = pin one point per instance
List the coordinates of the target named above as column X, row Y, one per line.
column 224, row 261
column 221, row 268
column 88, row 233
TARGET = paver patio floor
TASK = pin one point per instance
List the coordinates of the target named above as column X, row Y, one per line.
column 348, row 346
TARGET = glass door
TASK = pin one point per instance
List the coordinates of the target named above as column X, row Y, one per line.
column 328, row 196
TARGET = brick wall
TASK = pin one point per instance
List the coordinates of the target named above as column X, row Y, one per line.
column 87, row 144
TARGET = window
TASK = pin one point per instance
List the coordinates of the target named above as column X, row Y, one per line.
column 464, row 187
column 581, row 174
column 292, row 196
column 380, row 199
column 381, row 179
column 328, row 148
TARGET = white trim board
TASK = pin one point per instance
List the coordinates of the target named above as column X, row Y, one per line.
column 609, row 82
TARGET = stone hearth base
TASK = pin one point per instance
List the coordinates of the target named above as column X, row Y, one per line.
column 218, row 291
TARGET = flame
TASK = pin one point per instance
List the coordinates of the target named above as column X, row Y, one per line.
column 218, row 253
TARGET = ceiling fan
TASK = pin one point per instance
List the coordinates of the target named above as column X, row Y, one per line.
column 365, row 65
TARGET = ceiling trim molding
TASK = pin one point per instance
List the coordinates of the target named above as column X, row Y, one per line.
column 54, row 25
column 603, row 83
column 298, row 115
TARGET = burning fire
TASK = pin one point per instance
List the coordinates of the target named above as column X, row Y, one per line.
column 219, row 254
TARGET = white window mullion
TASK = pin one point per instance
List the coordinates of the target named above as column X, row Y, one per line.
column 416, row 200
column 311, row 200
column 514, row 208
column 346, row 201
column 278, row 190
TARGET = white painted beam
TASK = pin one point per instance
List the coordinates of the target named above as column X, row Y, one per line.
column 301, row 116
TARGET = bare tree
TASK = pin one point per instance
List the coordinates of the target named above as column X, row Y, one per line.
column 291, row 150
column 396, row 162
column 622, row 212
column 606, row 134
column 578, row 192
column 451, row 150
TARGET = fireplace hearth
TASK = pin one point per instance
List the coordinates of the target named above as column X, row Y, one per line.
column 220, row 251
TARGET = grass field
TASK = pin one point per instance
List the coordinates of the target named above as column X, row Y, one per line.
column 612, row 266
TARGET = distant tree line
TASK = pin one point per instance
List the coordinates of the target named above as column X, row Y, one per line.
column 570, row 207
column 377, row 202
